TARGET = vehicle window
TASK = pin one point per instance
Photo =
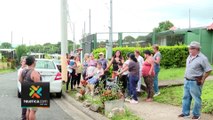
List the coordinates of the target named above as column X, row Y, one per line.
column 41, row 64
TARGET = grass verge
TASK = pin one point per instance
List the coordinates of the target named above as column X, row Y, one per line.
column 173, row 96
column 127, row 115
column 7, row 71
column 171, row 74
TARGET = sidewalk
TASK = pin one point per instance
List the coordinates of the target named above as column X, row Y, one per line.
column 158, row 111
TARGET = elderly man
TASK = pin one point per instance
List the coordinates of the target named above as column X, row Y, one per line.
column 197, row 70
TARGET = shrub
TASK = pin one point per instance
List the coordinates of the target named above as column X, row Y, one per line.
column 172, row 56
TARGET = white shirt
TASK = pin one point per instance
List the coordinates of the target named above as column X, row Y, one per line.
column 141, row 61
column 126, row 63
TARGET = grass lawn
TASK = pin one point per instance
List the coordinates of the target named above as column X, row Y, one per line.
column 171, row 74
column 173, row 96
column 7, row 71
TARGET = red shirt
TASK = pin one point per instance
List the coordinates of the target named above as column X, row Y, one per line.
column 146, row 68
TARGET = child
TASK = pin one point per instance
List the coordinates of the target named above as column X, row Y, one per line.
column 93, row 77
column 71, row 70
column 71, row 64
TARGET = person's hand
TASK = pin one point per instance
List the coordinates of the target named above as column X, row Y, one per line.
column 150, row 72
column 76, row 74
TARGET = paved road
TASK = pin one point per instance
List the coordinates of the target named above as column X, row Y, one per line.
column 10, row 105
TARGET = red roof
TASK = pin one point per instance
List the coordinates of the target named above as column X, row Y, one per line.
column 210, row 27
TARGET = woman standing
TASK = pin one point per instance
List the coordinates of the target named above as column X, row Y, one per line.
column 85, row 64
column 157, row 58
column 78, row 69
column 92, row 63
column 116, row 59
column 133, row 77
column 124, row 79
column 148, row 74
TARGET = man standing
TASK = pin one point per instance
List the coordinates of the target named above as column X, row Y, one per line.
column 157, row 58
column 197, row 70
column 140, row 61
column 102, row 60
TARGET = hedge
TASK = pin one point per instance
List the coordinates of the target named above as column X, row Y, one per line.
column 172, row 56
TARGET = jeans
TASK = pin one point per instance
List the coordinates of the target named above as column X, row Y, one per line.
column 156, row 69
column 133, row 84
column 191, row 91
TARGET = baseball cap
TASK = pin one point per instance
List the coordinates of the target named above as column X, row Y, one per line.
column 194, row 44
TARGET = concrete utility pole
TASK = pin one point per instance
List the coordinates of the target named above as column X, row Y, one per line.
column 109, row 47
column 90, row 21
column 12, row 38
column 74, row 37
column 189, row 19
column 64, row 39
column 22, row 41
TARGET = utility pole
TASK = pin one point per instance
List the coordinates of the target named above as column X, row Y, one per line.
column 90, row 21
column 189, row 19
column 22, row 41
column 109, row 47
column 64, row 39
column 74, row 37
column 11, row 39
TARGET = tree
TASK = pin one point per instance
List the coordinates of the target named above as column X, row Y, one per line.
column 163, row 26
column 6, row 45
column 141, row 38
column 129, row 40
column 21, row 50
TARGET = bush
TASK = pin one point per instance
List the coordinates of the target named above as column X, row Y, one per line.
column 172, row 56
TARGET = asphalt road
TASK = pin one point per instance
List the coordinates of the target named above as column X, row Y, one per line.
column 10, row 104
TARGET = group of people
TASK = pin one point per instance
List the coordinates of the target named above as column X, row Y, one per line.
column 129, row 72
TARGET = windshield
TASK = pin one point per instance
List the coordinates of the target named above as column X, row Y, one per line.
column 42, row 64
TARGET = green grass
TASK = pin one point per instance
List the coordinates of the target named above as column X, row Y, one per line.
column 7, row 71
column 71, row 93
column 173, row 96
column 171, row 74
column 126, row 116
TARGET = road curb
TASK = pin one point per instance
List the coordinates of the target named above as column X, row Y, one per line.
column 79, row 106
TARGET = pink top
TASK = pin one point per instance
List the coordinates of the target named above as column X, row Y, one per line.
column 146, row 68
column 92, row 63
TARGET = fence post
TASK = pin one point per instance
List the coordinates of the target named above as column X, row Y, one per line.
column 95, row 41
column 120, row 39
column 154, row 38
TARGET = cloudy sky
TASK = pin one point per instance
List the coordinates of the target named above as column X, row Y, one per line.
column 38, row 21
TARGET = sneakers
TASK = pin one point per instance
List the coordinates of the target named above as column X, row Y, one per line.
column 156, row 94
column 195, row 117
column 183, row 116
column 133, row 101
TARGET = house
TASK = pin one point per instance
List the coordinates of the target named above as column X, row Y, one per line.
column 203, row 35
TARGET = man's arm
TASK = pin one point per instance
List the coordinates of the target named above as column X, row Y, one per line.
column 205, row 75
